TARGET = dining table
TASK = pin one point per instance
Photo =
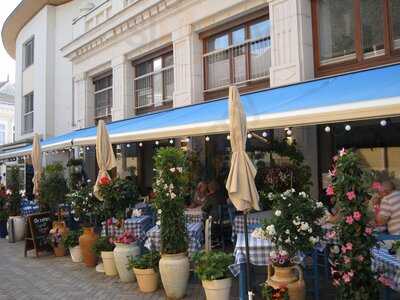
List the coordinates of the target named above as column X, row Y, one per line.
column 137, row 226
column 253, row 219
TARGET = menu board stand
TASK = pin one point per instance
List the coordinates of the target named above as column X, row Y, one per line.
column 37, row 231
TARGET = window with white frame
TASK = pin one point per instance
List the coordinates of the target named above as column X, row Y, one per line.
column 28, row 113
column 2, row 133
column 103, row 96
column 29, row 52
column 154, row 81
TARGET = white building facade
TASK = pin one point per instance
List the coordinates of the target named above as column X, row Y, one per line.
column 80, row 61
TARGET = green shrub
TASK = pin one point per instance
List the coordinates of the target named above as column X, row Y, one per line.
column 14, row 185
column 103, row 244
column 212, row 265
column 72, row 238
column 146, row 261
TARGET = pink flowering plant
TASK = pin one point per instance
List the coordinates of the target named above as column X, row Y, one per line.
column 125, row 238
column 294, row 227
column 351, row 257
column 171, row 183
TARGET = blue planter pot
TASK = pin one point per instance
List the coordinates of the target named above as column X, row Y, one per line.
column 3, row 229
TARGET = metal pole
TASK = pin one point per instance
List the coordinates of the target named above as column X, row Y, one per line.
column 246, row 241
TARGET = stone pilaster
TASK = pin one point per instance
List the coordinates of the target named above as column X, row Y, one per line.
column 188, row 75
column 123, row 100
column 291, row 41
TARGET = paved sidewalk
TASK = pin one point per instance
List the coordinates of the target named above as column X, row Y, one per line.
column 56, row 278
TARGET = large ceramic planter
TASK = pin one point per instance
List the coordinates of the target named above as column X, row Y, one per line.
column 147, row 280
column 292, row 277
column 3, row 229
column 174, row 271
column 19, row 227
column 108, row 263
column 86, row 242
column 76, row 254
column 62, row 229
column 121, row 254
column 217, row 289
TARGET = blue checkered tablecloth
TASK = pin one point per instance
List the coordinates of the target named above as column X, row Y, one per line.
column 194, row 216
column 387, row 265
column 138, row 226
column 144, row 207
column 195, row 238
column 258, row 250
column 252, row 219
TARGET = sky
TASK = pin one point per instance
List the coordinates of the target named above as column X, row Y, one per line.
column 7, row 64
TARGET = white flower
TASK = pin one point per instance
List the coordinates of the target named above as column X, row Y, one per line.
column 159, row 211
column 173, row 195
column 278, row 213
column 288, row 241
column 91, row 194
column 303, row 194
column 287, row 231
column 172, row 170
column 304, row 226
column 270, row 230
column 335, row 249
column 165, row 186
column 313, row 239
column 180, row 170
column 171, row 186
column 319, row 204
column 270, row 196
column 310, row 230
column 272, row 254
column 158, row 223
column 258, row 233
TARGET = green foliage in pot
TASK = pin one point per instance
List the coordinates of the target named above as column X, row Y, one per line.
column 212, row 265
column 3, row 209
column 14, row 187
column 170, row 186
column 118, row 194
column 72, row 238
column 103, row 244
column 146, row 261
column 53, row 187
column 85, row 206
column 75, row 173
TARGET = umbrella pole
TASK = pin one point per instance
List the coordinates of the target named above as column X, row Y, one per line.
column 246, row 241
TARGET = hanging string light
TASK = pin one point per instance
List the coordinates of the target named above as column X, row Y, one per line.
column 140, row 144
column 228, row 137
column 207, row 138
column 171, row 141
column 249, row 135
column 157, row 143
column 128, row 145
column 347, row 127
column 265, row 134
column 383, row 123
column 327, row 129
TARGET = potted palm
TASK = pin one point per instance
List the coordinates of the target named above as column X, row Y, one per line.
column 170, row 185
column 104, row 248
column 212, row 268
column 145, row 268
column 125, row 247
column 71, row 242
column 15, row 220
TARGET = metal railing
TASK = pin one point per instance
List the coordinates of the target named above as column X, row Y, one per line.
column 102, row 111
column 154, row 88
column 237, row 64
column 28, row 122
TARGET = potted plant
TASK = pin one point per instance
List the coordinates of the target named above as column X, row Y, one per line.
column 170, row 186
column 270, row 293
column 3, row 215
column 71, row 242
column 15, row 220
column 86, row 209
column 145, row 268
column 104, row 248
column 294, row 228
column 53, row 190
column 213, row 269
column 125, row 247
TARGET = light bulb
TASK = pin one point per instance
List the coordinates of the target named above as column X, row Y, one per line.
column 327, row 129
column 265, row 134
column 228, row 137
column 249, row 135
column 347, row 127
column 207, row 138
column 87, row 148
column 289, row 132
column 140, row 144
column 157, row 143
column 171, row 141
column 128, row 145
column 383, row 123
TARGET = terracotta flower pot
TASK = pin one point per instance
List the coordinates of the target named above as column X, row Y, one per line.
column 174, row 271
column 147, row 280
column 292, row 277
column 86, row 242
column 217, row 289
column 121, row 254
column 59, row 251
column 108, row 263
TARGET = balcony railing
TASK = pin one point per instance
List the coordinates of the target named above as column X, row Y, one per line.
column 102, row 111
column 154, row 89
column 28, row 122
column 238, row 64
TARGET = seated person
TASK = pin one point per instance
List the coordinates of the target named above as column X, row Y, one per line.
column 389, row 210
column 200, row 195
column 213, row 200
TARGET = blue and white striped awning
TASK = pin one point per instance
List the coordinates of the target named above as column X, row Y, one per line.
column 360, row 95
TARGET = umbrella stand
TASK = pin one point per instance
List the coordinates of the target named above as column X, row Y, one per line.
column 246, row 241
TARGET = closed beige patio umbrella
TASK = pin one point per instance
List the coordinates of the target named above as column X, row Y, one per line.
column 240, row 183
column 37, row 164
column 104, row 155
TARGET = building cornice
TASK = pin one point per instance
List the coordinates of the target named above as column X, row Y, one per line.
column 103, row 34
column 19, row 17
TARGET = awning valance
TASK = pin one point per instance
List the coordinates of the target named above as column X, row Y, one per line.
column 360, row 95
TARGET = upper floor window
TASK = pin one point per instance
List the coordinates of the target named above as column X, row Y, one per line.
column 154, row 81
column 103, row 97
column 29, row 53
column 28, row 113
column 353, row 34
column 239, row 55
column 2, row 133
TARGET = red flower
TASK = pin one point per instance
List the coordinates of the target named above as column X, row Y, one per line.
column 349, row 220
column 357, row 216
column 368, row 230
column 351, row 195
column 377, row 186
column 330, row 191
column 104, row 180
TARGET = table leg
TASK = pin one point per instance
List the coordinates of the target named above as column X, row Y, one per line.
column 386, row 293
column 242, row 282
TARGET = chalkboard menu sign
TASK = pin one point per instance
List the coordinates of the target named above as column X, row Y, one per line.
column 37, row 232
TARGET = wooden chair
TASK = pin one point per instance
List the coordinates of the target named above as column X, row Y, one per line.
column 207, row 235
